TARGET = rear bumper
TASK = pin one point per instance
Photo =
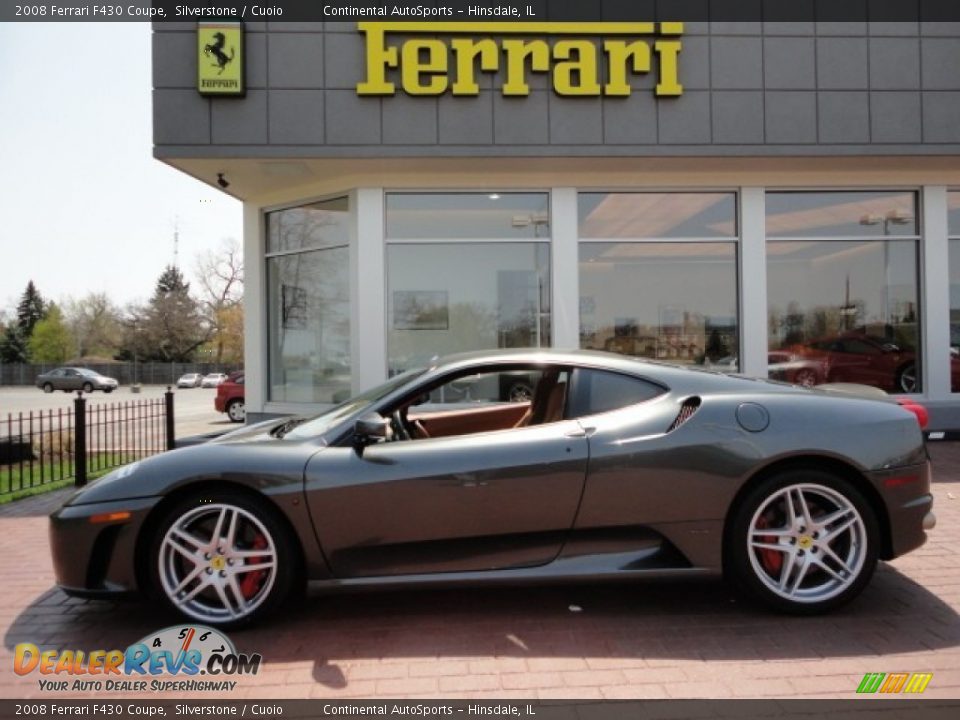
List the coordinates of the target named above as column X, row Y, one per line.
column 906, row 494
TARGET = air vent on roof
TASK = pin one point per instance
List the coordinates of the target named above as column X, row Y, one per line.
column 687, row 409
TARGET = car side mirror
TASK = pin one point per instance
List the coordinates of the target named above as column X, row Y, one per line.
column 370, row 428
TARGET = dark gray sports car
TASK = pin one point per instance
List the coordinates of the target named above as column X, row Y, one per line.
column 613, row 469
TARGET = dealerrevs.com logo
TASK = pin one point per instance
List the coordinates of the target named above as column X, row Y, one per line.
column 180, row 650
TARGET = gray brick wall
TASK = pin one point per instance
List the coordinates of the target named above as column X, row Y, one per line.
column 749, row 88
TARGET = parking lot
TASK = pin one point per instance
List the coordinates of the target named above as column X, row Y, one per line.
column 193, row 407
column 652, row 640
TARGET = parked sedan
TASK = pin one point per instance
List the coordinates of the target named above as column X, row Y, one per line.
column 190, row 380
column 212, row 380
column 614, row 469
column 71, row 378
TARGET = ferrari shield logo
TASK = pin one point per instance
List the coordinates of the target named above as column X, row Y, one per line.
column 220, row 58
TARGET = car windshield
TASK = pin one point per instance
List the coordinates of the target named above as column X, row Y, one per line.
column 321, row 423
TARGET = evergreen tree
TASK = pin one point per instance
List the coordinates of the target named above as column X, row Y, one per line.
column 13, row 346
column 170, row 328
column 171, row 281
column 30, row 310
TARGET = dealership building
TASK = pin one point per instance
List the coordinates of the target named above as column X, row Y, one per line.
column 776, row 199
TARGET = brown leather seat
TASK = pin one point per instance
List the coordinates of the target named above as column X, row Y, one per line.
column 547, row 403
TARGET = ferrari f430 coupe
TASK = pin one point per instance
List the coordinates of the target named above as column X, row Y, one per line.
column 609, row 469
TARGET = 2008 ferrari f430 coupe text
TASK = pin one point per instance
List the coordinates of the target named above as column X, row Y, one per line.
column 612, row 468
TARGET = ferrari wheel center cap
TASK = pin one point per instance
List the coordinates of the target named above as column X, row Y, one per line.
column 805, row 542
column 218, row 562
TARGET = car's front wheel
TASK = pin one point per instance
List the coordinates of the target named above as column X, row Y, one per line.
column 237, row 411
column 223, row 560
column 48, row 387
column 803, row 541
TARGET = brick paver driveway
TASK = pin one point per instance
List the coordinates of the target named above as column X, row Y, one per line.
column 627, row 641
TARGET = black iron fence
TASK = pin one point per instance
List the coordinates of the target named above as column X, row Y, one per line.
column 41, row 448
column 125, row 373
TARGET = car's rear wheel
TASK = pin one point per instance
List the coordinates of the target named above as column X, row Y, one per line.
column 907, row 379
column 237, row 411
column 223, row 560
column 803, row 541
column 48, row 387
column 805, row 377
column 88, row 387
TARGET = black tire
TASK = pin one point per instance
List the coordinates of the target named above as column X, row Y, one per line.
column 108, row 390
column 48, row 387
column 88, row 387
column 236, row 410
column 805, row 377
column 288, row 575
column 754, row 571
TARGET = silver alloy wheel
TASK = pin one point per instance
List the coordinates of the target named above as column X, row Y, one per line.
column 237, row 410
column 820, row 540
column 908, row 379
column 206, row 558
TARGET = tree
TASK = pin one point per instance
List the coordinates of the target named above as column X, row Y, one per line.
column 169, row 328
column 30, row 310
column 220, row 275
column 50, row 341
column 13, row 345
column 95, row 324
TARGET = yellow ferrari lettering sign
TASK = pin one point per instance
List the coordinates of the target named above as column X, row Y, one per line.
column 220, row 58
column 578, row 63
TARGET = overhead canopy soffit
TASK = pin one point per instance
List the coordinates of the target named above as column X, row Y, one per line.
column 271, row 180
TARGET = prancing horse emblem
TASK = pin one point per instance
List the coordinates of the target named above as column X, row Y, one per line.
column 216, row 49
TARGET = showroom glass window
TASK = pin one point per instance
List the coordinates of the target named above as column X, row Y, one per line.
column 466, row 271
column 953, row 228
column 308, row 302
column 842, row 288
column 658, row 276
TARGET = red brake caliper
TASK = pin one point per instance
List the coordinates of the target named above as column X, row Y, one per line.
column 252, row 580
column 771, row 560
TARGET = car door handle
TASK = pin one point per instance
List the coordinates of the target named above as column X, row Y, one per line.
column 581, row 432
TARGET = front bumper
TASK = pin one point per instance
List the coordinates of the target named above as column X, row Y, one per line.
column 94, row 559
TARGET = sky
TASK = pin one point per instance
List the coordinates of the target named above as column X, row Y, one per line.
column 84, row 206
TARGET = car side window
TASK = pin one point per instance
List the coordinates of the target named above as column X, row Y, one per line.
column 600, row 391
column 488, row 401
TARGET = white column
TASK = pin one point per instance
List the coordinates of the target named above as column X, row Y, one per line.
column 368, row 307
column 564, row 259
column 255, row 347
column 753, row 282
column 935, row 294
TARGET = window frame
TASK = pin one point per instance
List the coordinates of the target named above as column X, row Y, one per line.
column 269, row 255
column 735, row 240
column 917, row 239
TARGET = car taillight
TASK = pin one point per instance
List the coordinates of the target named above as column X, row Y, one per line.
column 923, row 417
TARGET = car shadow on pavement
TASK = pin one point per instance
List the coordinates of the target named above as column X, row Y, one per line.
column 656, row 622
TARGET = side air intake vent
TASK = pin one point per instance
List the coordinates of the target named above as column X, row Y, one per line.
column 687, row 410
